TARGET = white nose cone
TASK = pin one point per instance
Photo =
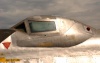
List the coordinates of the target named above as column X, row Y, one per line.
column 6, row 43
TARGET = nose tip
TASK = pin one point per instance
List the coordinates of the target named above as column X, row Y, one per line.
column 6, row 44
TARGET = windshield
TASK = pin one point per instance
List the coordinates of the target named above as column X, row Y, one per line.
column 42, row 26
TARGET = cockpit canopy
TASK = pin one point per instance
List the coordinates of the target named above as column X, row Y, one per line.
column 36, row 24
column 40, row 24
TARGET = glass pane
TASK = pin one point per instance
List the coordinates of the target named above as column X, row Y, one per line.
column 42, row 26
column 21, row 27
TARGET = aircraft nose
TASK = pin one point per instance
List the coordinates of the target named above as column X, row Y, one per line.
column 6, row 44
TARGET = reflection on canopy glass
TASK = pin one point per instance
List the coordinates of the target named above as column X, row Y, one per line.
column 42, row 26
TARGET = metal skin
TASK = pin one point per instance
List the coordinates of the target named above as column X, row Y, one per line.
column 68, row 33
column 45, row 46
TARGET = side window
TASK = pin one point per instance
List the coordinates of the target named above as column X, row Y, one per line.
column 42, row 26
column 21, row 27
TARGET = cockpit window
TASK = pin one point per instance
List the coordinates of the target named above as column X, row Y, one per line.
column 42, row 26
column 21, row 27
